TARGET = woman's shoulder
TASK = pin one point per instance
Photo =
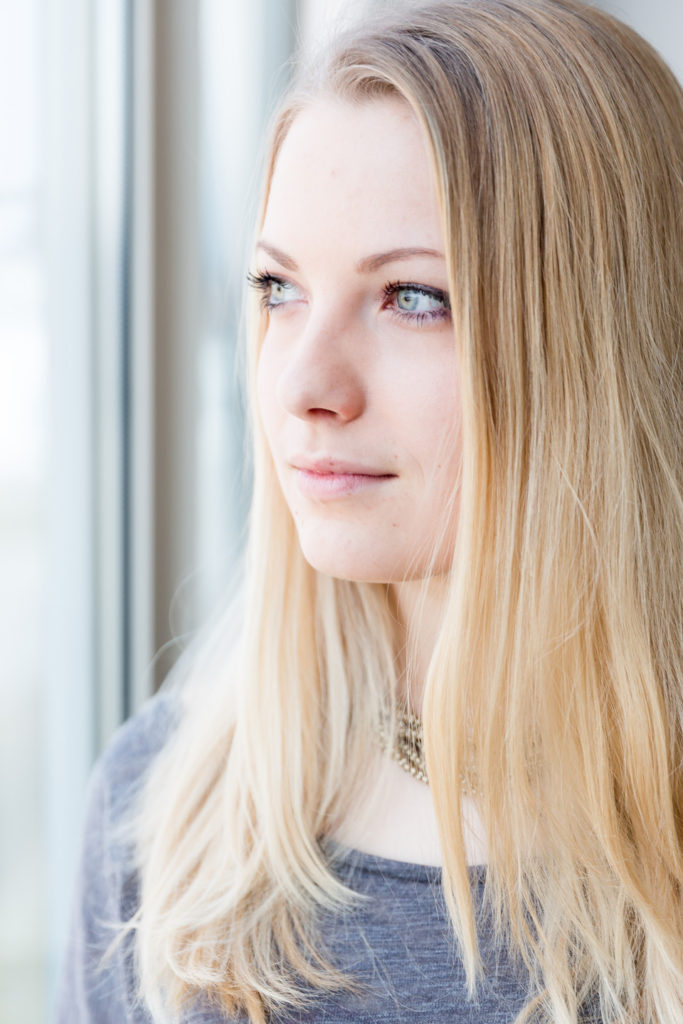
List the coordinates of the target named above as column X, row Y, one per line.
column 116, row 785
column 127, row 758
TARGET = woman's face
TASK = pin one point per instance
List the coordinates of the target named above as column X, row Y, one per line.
column 358, row 376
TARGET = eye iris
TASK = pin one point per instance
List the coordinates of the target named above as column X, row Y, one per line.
column 408, row 300
column 277, row 291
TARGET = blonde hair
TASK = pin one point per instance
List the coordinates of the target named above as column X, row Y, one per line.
column 556, row 135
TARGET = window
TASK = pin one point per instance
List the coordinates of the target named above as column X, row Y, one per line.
column 131, row 141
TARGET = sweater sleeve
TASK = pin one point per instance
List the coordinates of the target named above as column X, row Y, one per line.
column 97, row 984
column 97, row 978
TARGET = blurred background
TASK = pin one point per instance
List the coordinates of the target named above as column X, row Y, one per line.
column 130, row 144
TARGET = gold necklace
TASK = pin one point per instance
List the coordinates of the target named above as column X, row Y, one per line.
column 408, row 750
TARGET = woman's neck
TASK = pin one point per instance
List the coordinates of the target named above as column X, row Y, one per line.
column 418, row 609
column 392, row 815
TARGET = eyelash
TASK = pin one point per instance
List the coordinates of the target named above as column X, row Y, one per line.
column 263, row 281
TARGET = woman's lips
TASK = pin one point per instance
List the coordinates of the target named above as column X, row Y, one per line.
column 337, row 481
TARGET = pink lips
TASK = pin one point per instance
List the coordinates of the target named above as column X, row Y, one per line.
column 331, row 478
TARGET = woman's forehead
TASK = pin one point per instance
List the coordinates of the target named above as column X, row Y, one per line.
column 356, row 167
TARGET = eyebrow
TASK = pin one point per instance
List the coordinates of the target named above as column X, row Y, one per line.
column 363, row 266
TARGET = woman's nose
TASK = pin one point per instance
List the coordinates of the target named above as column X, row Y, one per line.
column 323, row 375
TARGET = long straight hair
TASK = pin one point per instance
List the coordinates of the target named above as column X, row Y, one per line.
column 557, row 142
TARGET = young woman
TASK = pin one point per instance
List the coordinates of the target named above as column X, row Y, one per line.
column 466, row 375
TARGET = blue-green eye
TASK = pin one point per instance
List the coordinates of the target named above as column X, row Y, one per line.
column 275, row 291
column 417, row 303
column 280, row 291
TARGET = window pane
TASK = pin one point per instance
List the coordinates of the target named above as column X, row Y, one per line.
column 23, row 359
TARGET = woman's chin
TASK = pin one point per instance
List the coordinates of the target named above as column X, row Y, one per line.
column 347, row 562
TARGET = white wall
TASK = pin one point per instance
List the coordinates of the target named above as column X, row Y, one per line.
column 659, row 21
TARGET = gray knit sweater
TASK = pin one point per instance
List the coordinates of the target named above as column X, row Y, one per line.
column 397, row 943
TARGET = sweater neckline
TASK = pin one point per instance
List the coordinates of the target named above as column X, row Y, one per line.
column 346, row 856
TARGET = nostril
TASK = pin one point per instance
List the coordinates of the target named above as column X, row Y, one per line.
column 323, row 413
column 321, row 392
